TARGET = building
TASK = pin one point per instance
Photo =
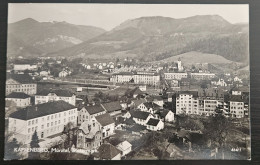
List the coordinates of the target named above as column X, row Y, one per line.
column 136, row 78
column 187, row 102
column 202, row 76
column 21, row 99
column 107, row 152
column 64, row 73
column 125, row 147
column 20, row 83
column 113, row 108
column 180, row 67
column 220, row 82
column 45, row 96
column 23, row 67
column 89, row 136
column 141, row 117
column 107, row 124
column 46, row 119
column 44, row 73
column 149, row 107
column 175, row 75
column 89, row 112
column 237, row 106
column 154, row 124
column 208, row 107
column 165, row 115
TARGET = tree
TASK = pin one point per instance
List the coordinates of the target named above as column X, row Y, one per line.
column 10, row 147
column 34, row 144
column 217, row 130
column 70, row 135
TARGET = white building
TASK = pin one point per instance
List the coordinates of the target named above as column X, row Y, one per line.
column 237, row 106
column 165, row 115
column 137, row 78
column 45, row 96
column 125, row 147
column 154, row 124
column 175, row 76
column 89, row 112
column 20, row 83
column 21, row 99
column 202, row 76
column 107, row 124
column 46, row 119
column 141, row 117
column 187, row 102
column 23, row 67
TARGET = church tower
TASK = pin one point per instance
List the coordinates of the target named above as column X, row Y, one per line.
column 180, row 68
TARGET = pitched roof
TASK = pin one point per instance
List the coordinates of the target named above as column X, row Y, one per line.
column 112, row 106
column 153, row 122
column 58, row 92
column 105, row 119
column 140, row 114
column 89, row 129
column 124, row 145
column 94, row 109
column 137, row 91
column 40, row 110
column 108, row 151
column 21, row 78
column 163, row 113
column 138, row 102
column 151, row 105
column 20, row 95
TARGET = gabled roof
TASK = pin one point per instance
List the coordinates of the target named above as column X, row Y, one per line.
column 40, row 110
column 112, row 106
column 105, row 119
column 21, row 78
column 153, row 122
column 151, row 105
column 124, row 145
column 138, row 102
column 108, row 151
column 137, row 91
column 140, row 114
column 94, row 109
column 89, row 128
column 58, row 92
column 163, row 113
column 19, row 95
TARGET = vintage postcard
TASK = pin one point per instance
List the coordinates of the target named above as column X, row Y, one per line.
column 127, row 82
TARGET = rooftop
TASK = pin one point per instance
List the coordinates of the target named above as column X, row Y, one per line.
column 153, row 122
column 108, row 151
column 105, row 119
column 19, row 95
column 40, row 110
column 21, row 78
column 140, row 114
column 112, row 106
column 94, row 109
column 58, row 92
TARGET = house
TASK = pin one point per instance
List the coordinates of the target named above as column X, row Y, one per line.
column 44, row 73
column 21, row 99
column 141, row 117
column 136, row 92
column 113, row 108
column 23, row 67
column 149, row 107
column 20, row 83
column 165, row 115
column 136, row 103
column 63, row 73
column 89, row 135
column 107, row 152
column 125, row 147
column 46, row 119
column 243, row 90
column 107, row 124
column 237, row 79
column 237, row 106
column 45, row 96
column 89, row 112
column 154, row 124
column 158, row 100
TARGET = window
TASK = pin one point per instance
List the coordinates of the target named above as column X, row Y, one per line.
column 42, row 126
column 36, row 128
column 29, row 130
column 48, row 118
column 42, row 135
column 51, row 116
column 36, row 121
column 32, row 122
column 48, row 124
column 51, row 123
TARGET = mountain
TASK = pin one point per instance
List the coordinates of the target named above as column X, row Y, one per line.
column 43, row 37
column 157, row 38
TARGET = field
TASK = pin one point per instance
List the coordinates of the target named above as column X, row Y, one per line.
column 197, row 57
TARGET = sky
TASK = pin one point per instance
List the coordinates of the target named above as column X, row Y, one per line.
column 108, row 16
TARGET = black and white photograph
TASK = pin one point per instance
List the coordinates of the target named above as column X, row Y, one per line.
column 96, row 81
